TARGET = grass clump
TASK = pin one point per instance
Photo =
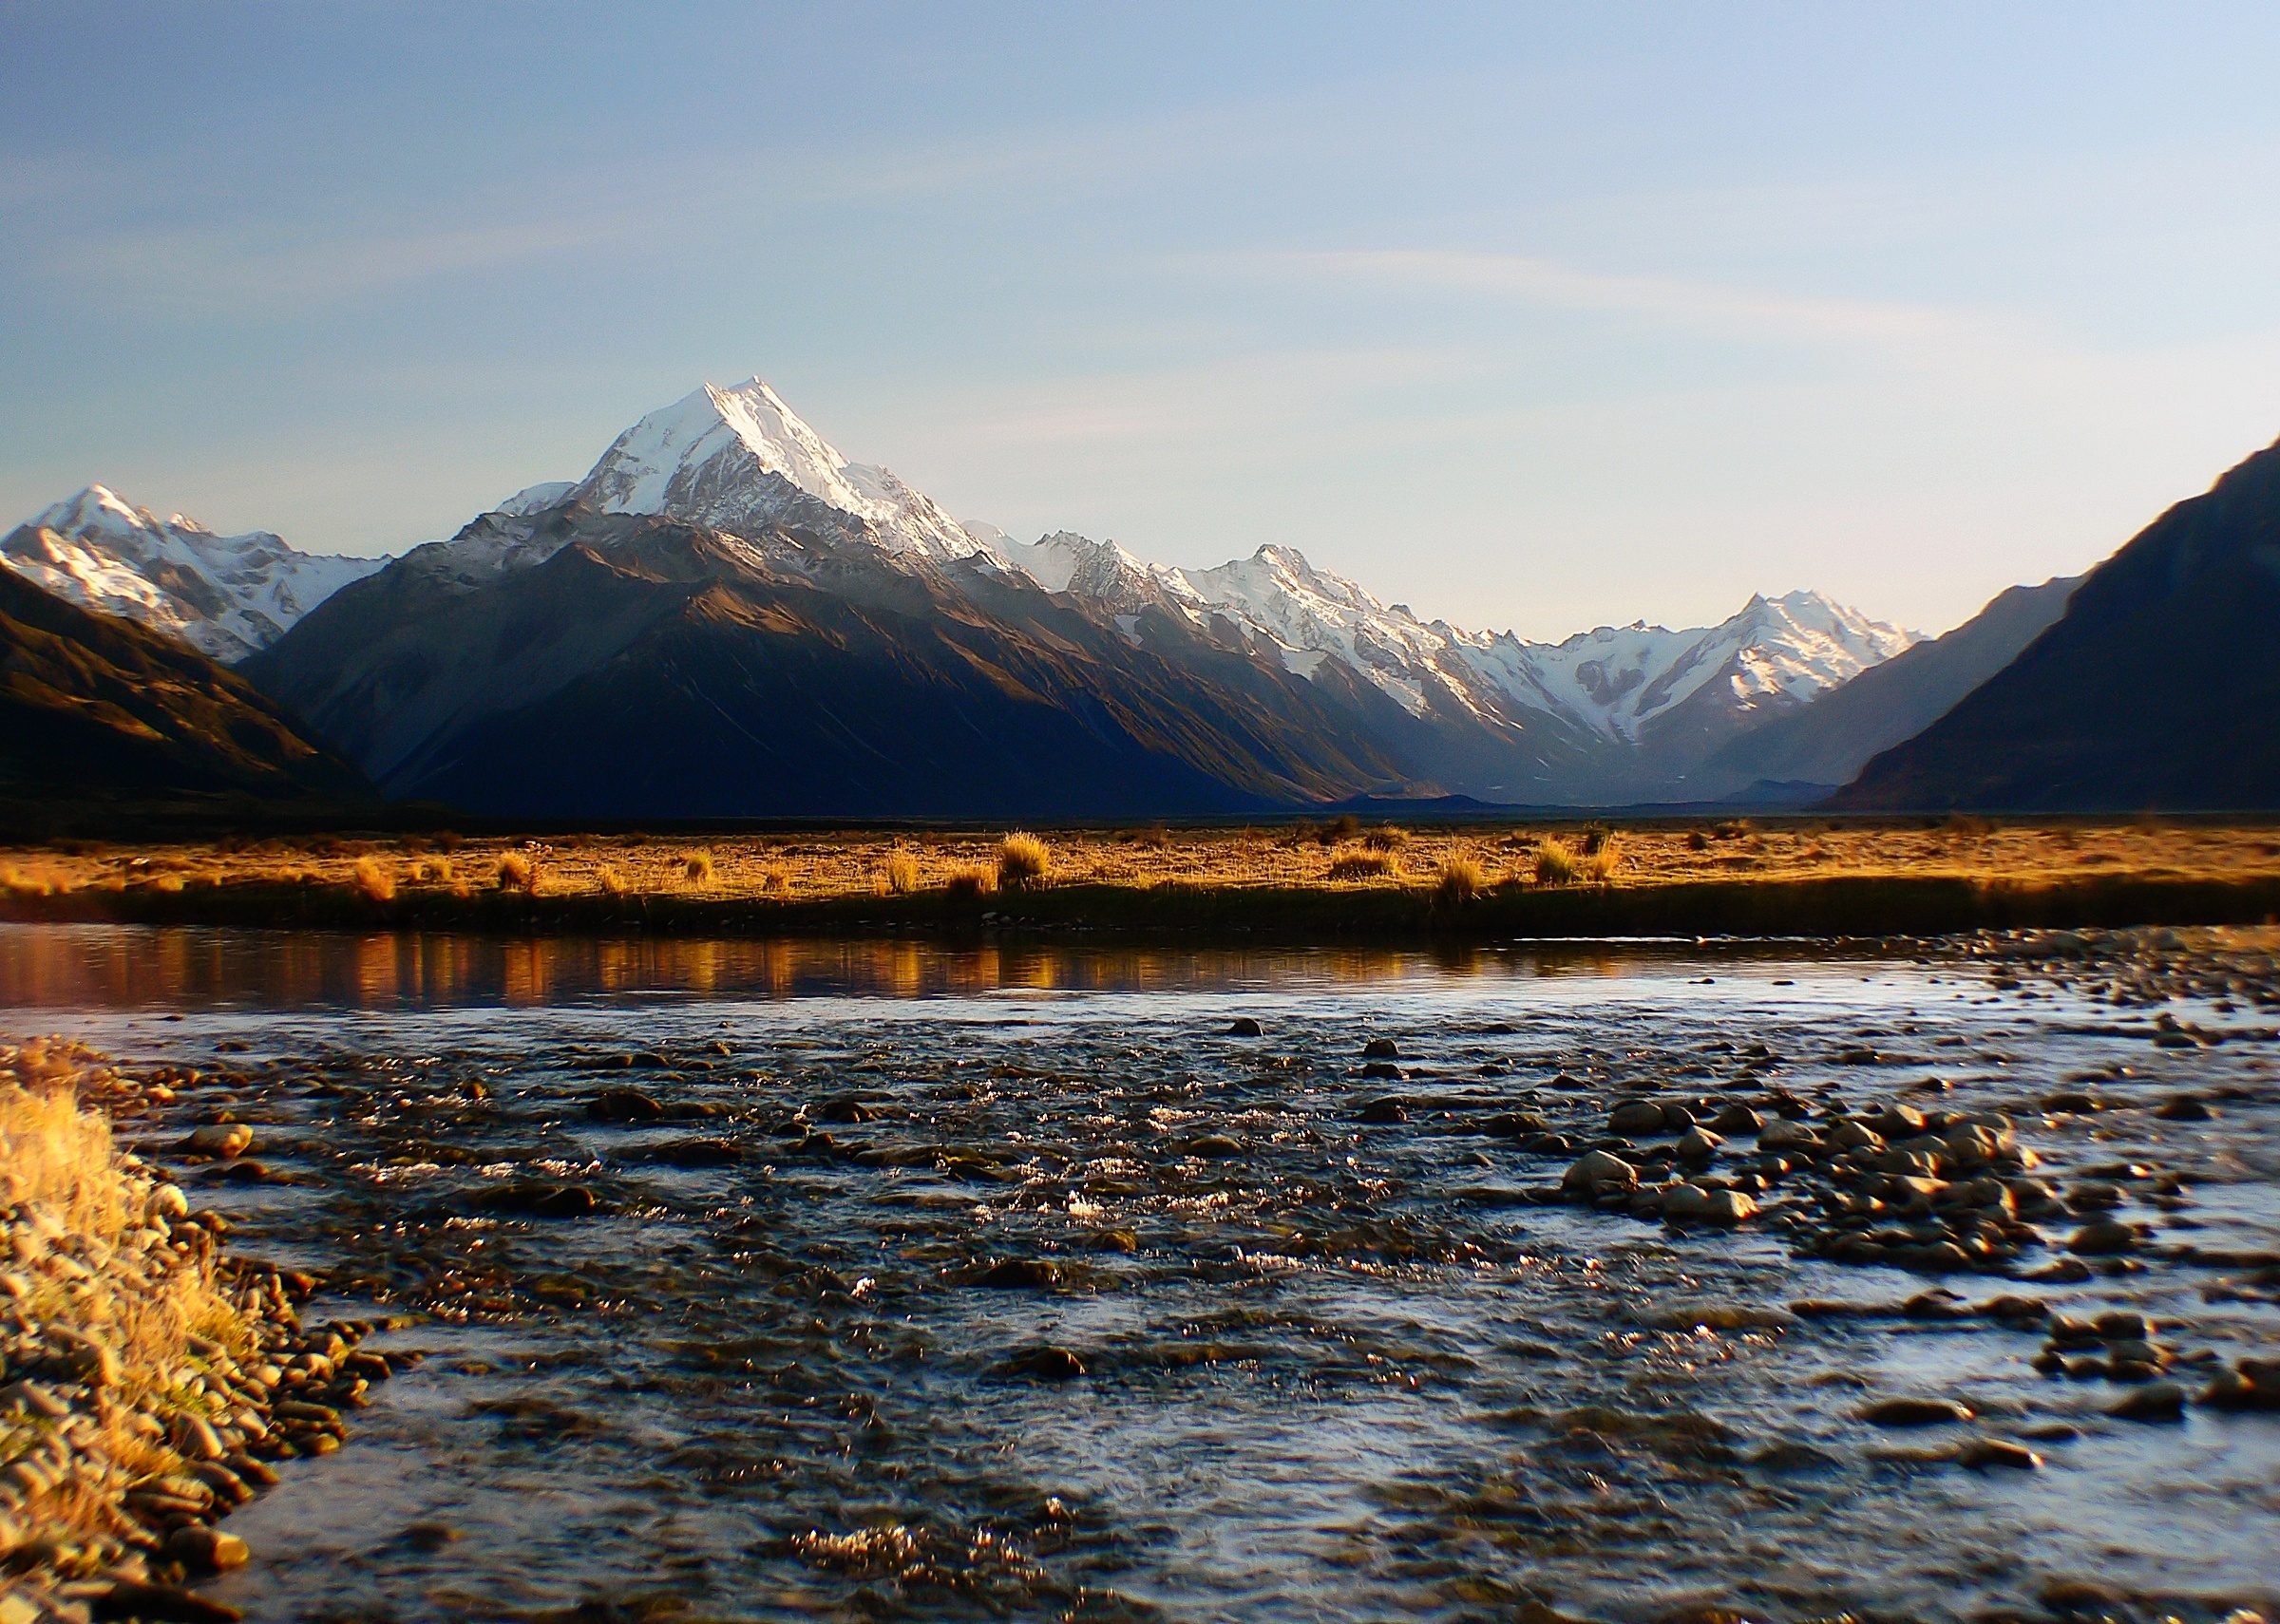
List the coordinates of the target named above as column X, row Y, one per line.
column 1557, row 864
column 609, row 881
column 1023, row 859
column 1359, row 863
column 1386, row 838
column 901, row 874
column 1460, row 880
column 373, row 881
column 696, row 867
column 970, row 880
column 516, row 873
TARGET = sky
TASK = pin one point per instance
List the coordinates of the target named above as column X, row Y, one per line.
column 1530, row 316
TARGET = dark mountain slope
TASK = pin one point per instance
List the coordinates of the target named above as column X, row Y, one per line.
column 2159, row 687
column 1828, row 741
column 93, row 706
column 648, row 668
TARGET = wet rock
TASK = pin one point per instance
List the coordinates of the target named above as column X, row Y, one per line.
column 541, row 1200
column 220, row 1140
column 2154, row 1401
column 1982, row 1453
column 1515, row 1125
column 1382, row 1111
column 1596, row 1170
column 845, row 1109
column 1380, row 1049
column 1048, row 1364
column 2186, row 1109
column 1916, row 1412
column 697, row 1153
column 1017, row 1275
column 1243, row 1026
column 1215, row 1146
column 136, row 1598
column 1636, row 1119
column 1696, row 1145
column 1737, row 1121
column 2093, row 1196
column 205, row 1549
column 623, row 1106
column 2081, row 1598
column 1115, row 1241
column 2106, row 1239
column 2253, row 1384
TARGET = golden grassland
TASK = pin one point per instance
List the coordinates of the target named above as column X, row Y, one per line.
column 88, row 1261
column 1806, row 875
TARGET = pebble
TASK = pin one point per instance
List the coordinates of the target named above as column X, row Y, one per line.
column 1916, row 1412
column 2156, row 1402
column 2106, row 1239
column 1984, row 1452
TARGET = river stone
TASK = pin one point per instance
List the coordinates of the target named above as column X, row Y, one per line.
column 1916, row 1412
column 1052, row 1364
column 194, row 1545
column 1696, row 1144
column 1636, row 1119
column 1984, row 1452
column 1018, row 1274
column 1737, row 1119
column 221, row 1138
column 2156, row 1402
column 623, row 1106
column 1380, row 1049
column 1243, row 1026
column 1382, row 1111
column 1595, row 1168
column 2106, row 1239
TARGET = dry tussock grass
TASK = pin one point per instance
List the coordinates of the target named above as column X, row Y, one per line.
column 824, row 865
column 1359, row 863
column 375, row 880
column 1023, row 859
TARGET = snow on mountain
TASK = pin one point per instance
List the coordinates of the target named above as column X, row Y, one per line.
column 533, row 499
column 740, row 459
column 226, row 595
column 1609, row 682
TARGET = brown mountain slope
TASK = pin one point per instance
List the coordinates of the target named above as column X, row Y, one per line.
column 653, row 668
column 2158, row 689
column 96, row 708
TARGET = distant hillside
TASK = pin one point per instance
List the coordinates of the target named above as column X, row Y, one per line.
column 95, row 707
column 2157, row 689
column 1829, row 739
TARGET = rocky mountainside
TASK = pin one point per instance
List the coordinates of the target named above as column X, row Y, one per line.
column 225, row 596
column 2159, row 687
column 1632, row 710
column 1812, row 750
column 639, row 666
column 96, row 707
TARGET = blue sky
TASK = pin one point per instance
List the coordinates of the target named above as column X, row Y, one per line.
column 1538, row 316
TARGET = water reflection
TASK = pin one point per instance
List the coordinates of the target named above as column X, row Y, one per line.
column 78, row 966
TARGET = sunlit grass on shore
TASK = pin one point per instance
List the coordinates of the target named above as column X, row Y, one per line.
column 577, row 881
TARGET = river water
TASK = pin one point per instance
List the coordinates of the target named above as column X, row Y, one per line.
column 816, row 1351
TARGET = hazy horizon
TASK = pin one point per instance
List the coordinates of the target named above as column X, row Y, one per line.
column 1540, row 319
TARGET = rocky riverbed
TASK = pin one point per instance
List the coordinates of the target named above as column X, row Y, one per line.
column 1926, row 1280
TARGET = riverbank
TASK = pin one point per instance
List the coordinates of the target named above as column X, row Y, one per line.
column 1340, row 881
column 150, row 1384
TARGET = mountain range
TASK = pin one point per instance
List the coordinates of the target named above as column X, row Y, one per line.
column 727, row 617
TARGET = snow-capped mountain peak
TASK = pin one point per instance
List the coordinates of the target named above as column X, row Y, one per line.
column 226, row 595
column 740, row 459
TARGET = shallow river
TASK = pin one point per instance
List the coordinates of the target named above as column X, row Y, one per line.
column 816, row 1351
